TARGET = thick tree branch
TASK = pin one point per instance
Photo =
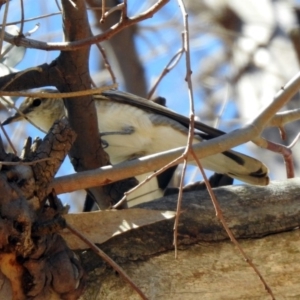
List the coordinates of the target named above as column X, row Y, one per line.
column 73, row 66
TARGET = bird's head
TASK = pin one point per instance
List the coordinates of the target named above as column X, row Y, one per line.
column 42, row 112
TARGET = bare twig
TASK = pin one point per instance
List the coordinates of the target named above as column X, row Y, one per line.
column 12, row 105
column 220, row 216
column 284, row 117
column 154, row 174
column 285, row 151
column 35, row 18
column 24, row 163
column 103, row 12
column 73, row 3
column 279, row 120
column 2, row 32
column 58, row 5
column 215, row 203
column 8, row 138
column 51, row 95
column 58, row 13
column 186, row 49
column 115, row 8
column 107, row 259
column 124, row 10
column 178, row 209
column 293, row 143
column 171, row 64
column 60, row 95
column 280, row 99
column 226, row 97
column 34, row 44
column 18, row 75
column 22, row 18
column 106, row 63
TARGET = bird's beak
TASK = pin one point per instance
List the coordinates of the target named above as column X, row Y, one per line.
column 16, row 117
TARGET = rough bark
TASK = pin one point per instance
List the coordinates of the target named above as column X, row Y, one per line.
column 208, row 271
column 34, row 258
column 208, row 266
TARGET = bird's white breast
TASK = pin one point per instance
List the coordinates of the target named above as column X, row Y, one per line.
column 114, row 117
column 146, row 138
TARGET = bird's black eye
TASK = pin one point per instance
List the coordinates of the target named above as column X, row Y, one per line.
column 36, row 102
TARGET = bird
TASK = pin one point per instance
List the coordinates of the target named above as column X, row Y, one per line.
column 131, row 127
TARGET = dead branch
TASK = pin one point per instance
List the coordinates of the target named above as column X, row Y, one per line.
column 250, row 212
column 84, row 42
column 33, row 257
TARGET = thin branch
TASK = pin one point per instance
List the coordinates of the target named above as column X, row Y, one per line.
column 154, row 174
column 171, row 64
column 107, row 259
column 225, row 101
column 118, row 7
column 124, row 10
column 18, row 75
column 113, row 173
column 220, row 216
column 102, row 20
column 22, row 18
column 59, row 95
column 48, row 95
column 35, row 18
column 186, row 49
column 285, row 151
column 106, row 63
column 2, row 32
column 58, row 5
column 12, row 105
column 282, row 118
column 280, row 99
column 73, row 4
column 178, row 208
column 115, row 8
column 33, row 30
column 34, row 44
column 8, row 138
column 24, row 163
column 293, row 143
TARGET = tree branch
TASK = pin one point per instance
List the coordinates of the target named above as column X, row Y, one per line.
column 74, row 45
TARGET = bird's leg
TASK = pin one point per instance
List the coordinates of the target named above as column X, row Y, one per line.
column 104, row 143
column 124, row 131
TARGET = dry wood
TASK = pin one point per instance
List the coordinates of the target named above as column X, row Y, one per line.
column 208, row 266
